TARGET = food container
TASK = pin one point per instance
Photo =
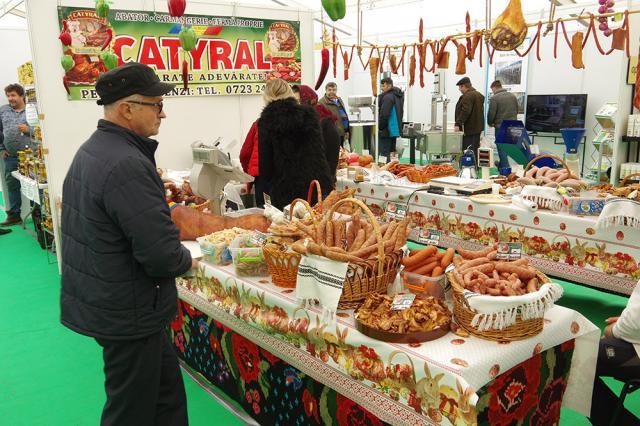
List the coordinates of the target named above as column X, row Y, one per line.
column 245, row 212
column 423, row 285
column 248, row 258
column 215, row 253
column 586, row 206
column 406, row 338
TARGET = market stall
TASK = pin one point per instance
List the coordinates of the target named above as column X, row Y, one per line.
column 251, row 339
column 560, row 244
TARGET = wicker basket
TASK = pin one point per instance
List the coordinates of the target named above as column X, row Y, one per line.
column 553, row 157
column 627, row 178
column 370, row 276
column 202, row 207
column 522, row 329
column 283, row 266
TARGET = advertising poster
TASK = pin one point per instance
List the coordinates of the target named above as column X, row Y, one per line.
column 233, row 55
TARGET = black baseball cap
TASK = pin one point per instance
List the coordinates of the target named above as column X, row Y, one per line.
column 129, row 79
column 463, row 80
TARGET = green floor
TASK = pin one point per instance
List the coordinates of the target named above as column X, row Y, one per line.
column 52, row 376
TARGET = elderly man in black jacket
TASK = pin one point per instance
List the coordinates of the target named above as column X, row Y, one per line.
column 121, row 253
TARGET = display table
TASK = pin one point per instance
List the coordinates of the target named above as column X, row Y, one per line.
column 30, row 188
column 452, row 380
column 561, row 245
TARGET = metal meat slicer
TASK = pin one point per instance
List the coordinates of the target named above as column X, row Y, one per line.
column 212, row 170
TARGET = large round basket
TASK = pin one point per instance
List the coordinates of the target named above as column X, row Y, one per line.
column 522, row 329
column 370, row 276
column 283, row 266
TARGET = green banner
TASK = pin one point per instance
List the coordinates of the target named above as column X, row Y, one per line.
column 233, row 55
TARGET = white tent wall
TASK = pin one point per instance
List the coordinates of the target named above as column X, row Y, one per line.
column 603, row 80
column 68, row 124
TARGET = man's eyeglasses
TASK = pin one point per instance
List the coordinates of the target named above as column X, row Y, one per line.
column 158, row 105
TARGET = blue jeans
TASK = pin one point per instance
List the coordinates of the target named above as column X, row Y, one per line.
column 504, row 157
column 13, row 186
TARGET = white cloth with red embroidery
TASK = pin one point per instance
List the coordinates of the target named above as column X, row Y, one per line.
column 499, row 312
column 619, row 212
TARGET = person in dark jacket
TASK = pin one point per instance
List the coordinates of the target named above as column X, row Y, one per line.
column 503, row 105
column 328, row 123
column 334, row 103
column 470, row 115
column 290, row 147
column 121, row 253
column 390, row 113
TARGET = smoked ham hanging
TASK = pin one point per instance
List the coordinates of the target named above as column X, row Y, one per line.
column 510, row 29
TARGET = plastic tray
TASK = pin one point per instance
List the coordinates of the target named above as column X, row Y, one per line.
column 214, row 253
column 423, row 285
column 245, row 212
column 248, row 258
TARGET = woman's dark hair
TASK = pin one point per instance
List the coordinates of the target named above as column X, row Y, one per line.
column 14, row 88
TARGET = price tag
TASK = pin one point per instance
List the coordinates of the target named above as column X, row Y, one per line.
column 258, row 238
column 267, row 199
column 402, row 302
column 287, row 215
column 509, row 251
column 396, row 210
column 365, row 152
column 429, row 236
column 382, row 159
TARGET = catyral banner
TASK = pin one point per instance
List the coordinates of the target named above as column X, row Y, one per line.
column 233, row 55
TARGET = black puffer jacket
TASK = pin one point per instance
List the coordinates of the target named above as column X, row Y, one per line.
column 291, row 151
column 120, row 249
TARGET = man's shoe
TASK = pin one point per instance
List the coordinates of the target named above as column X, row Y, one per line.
column 5, row 231
column 11, row 220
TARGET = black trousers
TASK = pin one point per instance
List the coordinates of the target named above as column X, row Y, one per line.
column 143, row 383
column 616, row 358
column 472, row 141
column 261, row 186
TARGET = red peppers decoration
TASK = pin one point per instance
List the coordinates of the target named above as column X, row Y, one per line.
column 176, row 7
column 324, row 67
column 107, row 42
column 65, row 37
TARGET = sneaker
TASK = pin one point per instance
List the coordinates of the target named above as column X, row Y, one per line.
column 4, row 231
column 11, row 220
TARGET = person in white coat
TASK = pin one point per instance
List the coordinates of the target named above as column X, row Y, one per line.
column 618, row 357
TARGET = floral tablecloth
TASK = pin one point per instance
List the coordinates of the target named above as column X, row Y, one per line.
column 451, row 380
column 562, row 245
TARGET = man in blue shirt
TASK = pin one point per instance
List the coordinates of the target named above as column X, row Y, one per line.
column 334, row 103
column 390, row 113
column 14, row 137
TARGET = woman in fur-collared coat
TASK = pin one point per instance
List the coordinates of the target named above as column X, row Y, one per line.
column 290, row 145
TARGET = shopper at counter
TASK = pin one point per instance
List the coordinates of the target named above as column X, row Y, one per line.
column 503, row 105
column 328, row 123
column 290, row 146
column 121, row 252
column 470, row 115
column 335, row 104
column 390, row 113
column 618, row 357
column 249, row 161
column 14, row 137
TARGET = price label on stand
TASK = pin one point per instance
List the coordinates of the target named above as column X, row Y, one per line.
column 402, row 302
column 258, row 238
column 509, row 251
column 396, row 211
column 429, row 236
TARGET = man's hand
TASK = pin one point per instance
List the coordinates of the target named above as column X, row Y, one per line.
column 611, row 320
column 608, row 331
column 23, row 128
column 194, row 263
column 4, row 154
